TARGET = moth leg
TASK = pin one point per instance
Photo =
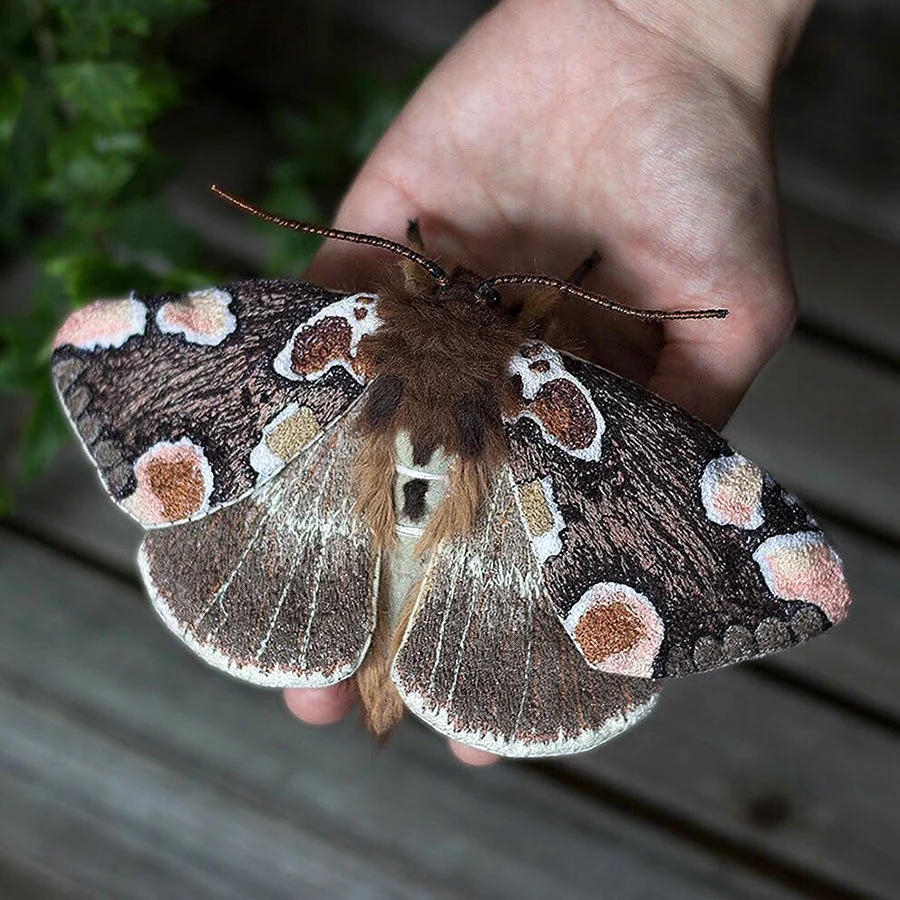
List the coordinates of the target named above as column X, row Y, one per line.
column 414, row 235
column 584, row 268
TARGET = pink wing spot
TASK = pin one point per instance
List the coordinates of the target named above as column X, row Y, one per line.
column 174, row 483
column 103, row 324
column 804, row 567
column 731, row 489
column 616, row 629
column 202, row 317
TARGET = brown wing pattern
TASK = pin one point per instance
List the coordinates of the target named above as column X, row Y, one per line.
column 186, row 403
column 485, row 661
column 664, row 551
column 280, row 588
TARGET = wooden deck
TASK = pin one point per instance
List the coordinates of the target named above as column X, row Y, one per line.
column 129, row 770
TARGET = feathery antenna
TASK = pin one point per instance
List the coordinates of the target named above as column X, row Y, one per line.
column 336, row 234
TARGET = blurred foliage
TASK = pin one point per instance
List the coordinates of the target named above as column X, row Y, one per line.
column 81, row 83
column 322, row 145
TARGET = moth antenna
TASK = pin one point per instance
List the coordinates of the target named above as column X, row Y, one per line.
column 565, row 288
column 337, row 234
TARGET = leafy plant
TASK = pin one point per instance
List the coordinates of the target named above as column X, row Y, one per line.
column 81, row 84
column 79, row 88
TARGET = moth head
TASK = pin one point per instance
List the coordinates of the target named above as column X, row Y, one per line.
column 463, row 296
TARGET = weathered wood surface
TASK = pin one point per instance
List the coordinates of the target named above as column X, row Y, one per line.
column 118, row 744
column 828, row 426
column 846, row 280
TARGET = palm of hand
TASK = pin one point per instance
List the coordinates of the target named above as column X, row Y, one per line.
column 533, row 144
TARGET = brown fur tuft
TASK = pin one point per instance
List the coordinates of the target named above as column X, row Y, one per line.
column 466, row 490
column 427, row 331
column 380, row 704
column 374, row 473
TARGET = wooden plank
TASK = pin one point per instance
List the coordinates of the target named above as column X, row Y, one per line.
column 118, row 824
column 67, row 504
column 858, row 660
column 20, row 884
column 127, row 743
column 846, row 278
column 774, row 769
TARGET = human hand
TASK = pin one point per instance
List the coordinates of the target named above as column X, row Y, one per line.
column 639, row 128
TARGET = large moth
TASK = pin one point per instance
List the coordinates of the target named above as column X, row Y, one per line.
column 420, row 489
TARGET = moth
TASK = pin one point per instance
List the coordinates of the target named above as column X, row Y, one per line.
column 419, row 488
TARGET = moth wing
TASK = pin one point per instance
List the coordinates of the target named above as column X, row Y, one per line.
column 187, row 403
column 484, row 660
column 280, row 588
column 664, row 551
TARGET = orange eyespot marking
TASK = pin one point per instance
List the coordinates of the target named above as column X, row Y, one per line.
column 617, row 629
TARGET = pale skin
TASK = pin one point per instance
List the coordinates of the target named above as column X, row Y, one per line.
column 638, row 128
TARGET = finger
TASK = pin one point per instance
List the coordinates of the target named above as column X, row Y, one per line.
column 321, row 706
column 472, row 756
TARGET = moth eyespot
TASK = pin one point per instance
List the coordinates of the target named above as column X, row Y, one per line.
column 174, row 483
column 731, row 489
column 616, row 629
column 103, row 325
column 330, row 338
column 201, row 317
column 554, row 399
column 804, row 567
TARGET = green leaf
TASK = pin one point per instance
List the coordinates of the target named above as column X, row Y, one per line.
column 93, row 277
column 113, row 95
column 85, row 164
column 146, row 229
column 44, row 434
column 25, row 339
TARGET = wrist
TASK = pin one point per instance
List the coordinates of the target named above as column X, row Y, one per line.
column 749, row 40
